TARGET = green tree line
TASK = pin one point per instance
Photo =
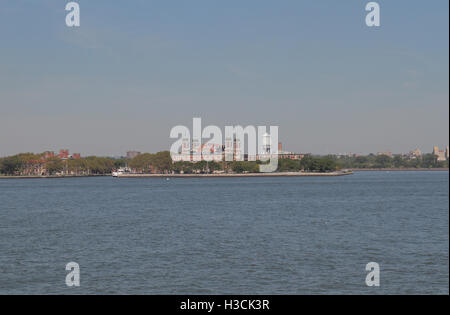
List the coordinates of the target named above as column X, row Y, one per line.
column 161, row 162
column 397, row 161
column 35, row 164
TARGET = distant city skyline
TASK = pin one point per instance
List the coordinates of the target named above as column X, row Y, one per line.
column 442, row 152
column 132, row 71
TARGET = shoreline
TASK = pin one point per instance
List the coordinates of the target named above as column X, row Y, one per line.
column 275, row 174
column 398, row 169
column 48, row 176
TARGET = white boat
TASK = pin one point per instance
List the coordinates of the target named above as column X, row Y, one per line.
column 116, row 174
column 121, row 171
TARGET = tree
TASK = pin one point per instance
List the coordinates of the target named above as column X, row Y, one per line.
column 245, row 167
column 398, row 161
column 118, row 163
column 287, row 165
column 99, row 165
column 321, row 164
column 309, row 163
column 360, row 162
column 383, row 161
column 215, row 166
column 327, row 164
column 429, row 161
column 11, row 165
column 77, row 166
column 54, row 165
column 162, row 162
column 142, row 162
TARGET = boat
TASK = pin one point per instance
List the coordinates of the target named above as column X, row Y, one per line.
column 121, row 171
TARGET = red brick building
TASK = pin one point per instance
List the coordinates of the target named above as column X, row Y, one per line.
column 63, row 154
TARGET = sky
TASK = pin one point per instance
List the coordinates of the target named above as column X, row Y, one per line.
column 134, row 69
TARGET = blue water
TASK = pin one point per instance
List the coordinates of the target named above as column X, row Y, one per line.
column 267, row 235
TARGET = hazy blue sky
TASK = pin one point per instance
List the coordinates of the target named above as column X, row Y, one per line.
column 136, row 68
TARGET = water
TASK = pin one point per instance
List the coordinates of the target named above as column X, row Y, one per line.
column 226, row 235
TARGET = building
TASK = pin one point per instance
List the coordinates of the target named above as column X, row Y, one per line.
column 291, row 156
column 196, row 150
column 48, row 155
column 229, row 149
column 63, row 154
column 387, row 153
column 346, row 155
column 232, row 150
column 440, row 154
column 186, row 150
column 211, row 152
column 237, row 150
column 266, row 144
column 76, row 156
column 415, row 154
column 288, row 155
column 132, row 154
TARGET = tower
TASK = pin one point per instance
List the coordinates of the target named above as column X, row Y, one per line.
column 266, row 143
